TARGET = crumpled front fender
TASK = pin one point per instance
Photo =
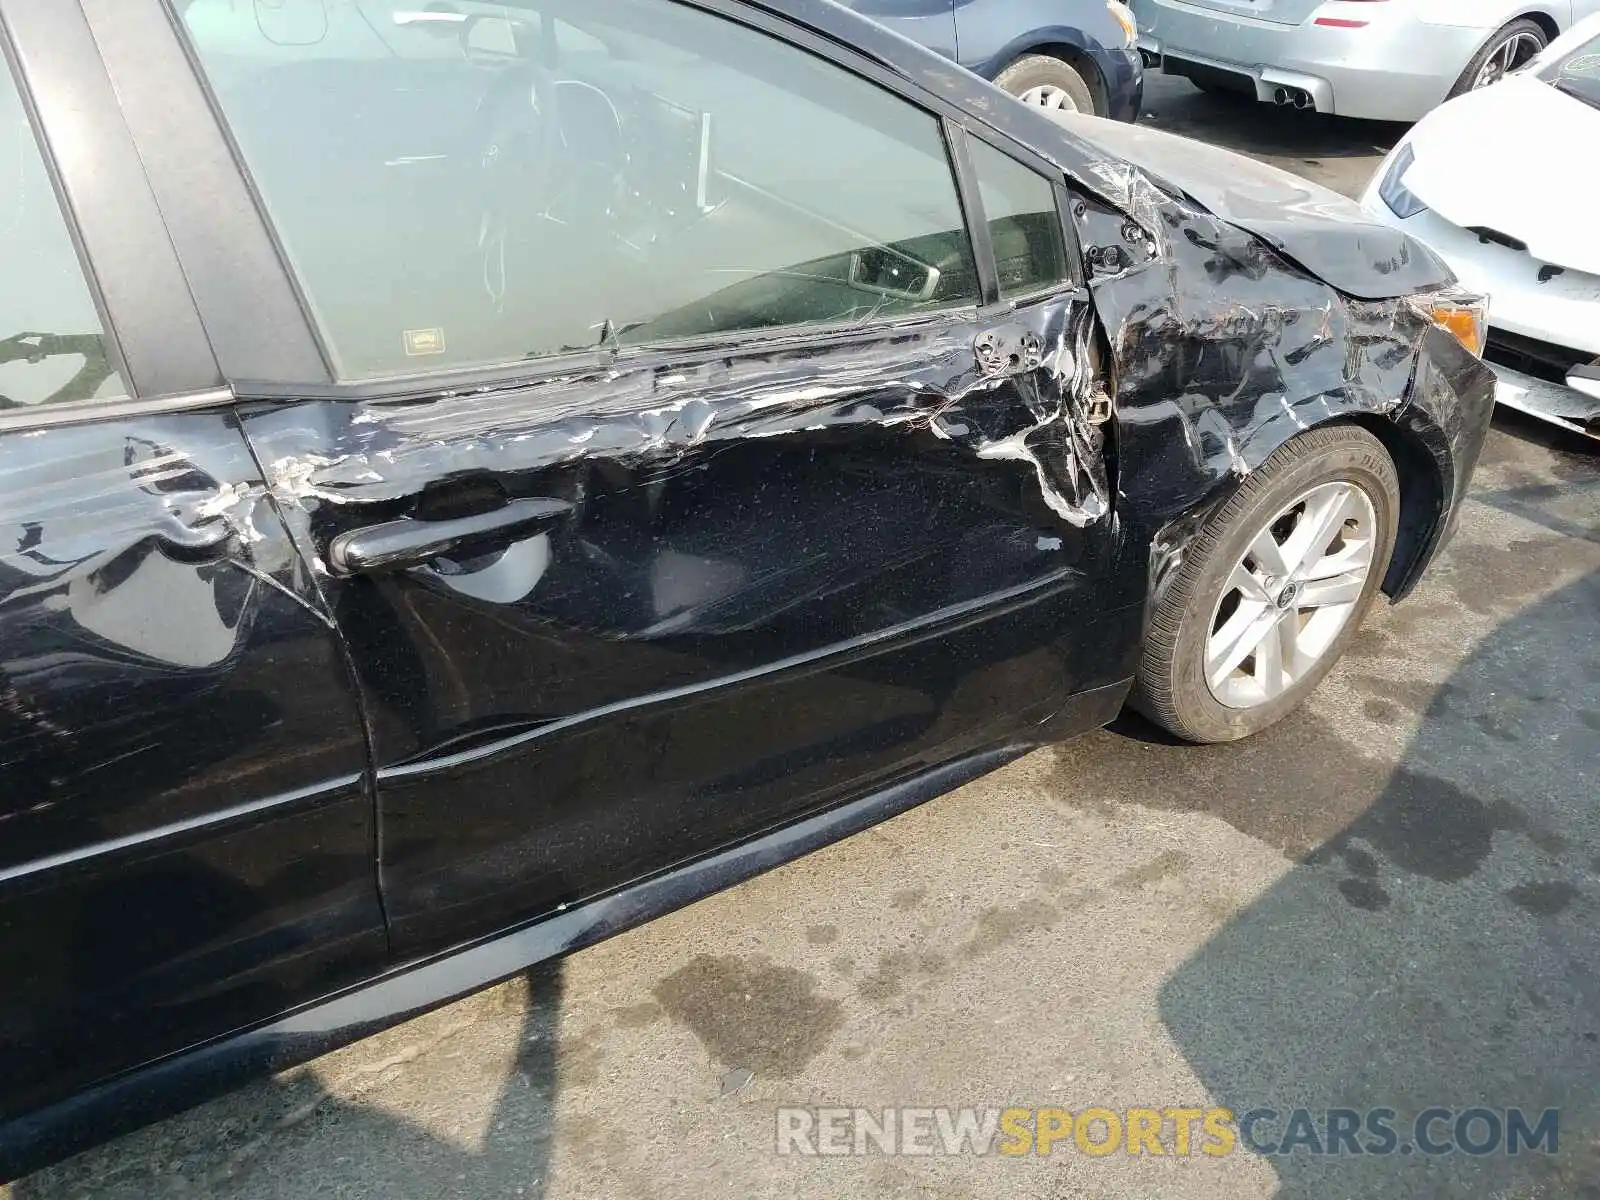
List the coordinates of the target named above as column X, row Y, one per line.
column 1221, row 350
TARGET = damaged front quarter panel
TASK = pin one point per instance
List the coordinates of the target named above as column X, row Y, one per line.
column 1325, row 234
column 1222, row 348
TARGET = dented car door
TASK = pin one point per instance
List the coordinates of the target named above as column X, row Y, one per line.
column 800, row 489
column 726, row 591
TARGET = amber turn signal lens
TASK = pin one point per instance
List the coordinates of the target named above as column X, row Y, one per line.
column 1466, row 317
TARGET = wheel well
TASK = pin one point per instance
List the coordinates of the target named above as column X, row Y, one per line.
column 1421, row 497
column 1544, row 21
column 1079, row 60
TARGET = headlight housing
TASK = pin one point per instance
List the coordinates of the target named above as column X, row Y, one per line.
column 1465, row 315
column 1392, row 191
column 1123, row 15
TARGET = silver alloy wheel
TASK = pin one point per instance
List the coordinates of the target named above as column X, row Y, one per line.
column 1050, row 98
column 1286, row 600
column 1505, row 58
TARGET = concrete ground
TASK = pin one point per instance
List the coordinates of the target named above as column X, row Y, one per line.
column 1389, row 900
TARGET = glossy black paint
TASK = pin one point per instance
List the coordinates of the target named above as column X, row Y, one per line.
column 1222, row 349
column 777, row 588
column 783, row 575
column 1321, row 232
column 126, row 1103
column 413, row 542
column 188, row 842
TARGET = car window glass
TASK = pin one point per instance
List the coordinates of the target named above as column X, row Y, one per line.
column 1020, row 206
column 481, row 183
column 1577, row 73
column 52, row 343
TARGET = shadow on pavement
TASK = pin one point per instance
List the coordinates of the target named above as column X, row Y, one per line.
column 1248, row 126
column 1438, row 947
column 294, row 1136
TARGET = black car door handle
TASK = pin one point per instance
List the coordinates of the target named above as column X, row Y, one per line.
column 409, row 541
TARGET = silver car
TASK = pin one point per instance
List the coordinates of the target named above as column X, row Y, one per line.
column 1389, row 60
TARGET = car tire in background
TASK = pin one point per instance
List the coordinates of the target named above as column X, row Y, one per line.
column 1315, row 522
column 1048, row 83
column 1509, row 48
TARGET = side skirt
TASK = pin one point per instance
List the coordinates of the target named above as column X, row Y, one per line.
column 159, row 1090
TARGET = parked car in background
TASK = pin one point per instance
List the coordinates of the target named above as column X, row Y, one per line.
column 467, row 487
column 1074, row 55
column 1390, row 60
column 1504, row 184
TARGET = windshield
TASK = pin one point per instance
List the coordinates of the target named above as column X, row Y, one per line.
column 1577, row 73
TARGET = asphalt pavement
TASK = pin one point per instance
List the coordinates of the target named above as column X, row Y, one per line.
column 1388, row 901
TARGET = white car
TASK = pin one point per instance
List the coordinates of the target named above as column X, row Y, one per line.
column 1390, row 60
column 1504, row 184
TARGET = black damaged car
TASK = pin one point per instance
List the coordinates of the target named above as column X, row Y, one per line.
column 475, row 476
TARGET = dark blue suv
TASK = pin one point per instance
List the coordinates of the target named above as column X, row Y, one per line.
column 1059, row 54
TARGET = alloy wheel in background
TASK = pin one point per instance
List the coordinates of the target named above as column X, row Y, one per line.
column 1508, row 49
column 1290, row 594
column 1514, row 49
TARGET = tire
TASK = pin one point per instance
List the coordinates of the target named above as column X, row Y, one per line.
column 1047, row 82
column 1171, row 687
column 1525, row 38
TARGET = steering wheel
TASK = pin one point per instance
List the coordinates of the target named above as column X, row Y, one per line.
column 518, row 135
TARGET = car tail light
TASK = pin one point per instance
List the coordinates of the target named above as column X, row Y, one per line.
column 1345, row 22
column 1460, row 313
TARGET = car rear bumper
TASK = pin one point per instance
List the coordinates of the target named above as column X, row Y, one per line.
column 1394, row 67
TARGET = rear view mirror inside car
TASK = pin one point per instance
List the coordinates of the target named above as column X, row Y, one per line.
column 881, row 270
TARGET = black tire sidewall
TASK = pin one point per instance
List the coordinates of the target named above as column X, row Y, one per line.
column 1202, row 715
column 1520, row 25
column 1040, row 70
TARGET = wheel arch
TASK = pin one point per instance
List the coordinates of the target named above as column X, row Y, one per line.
column 1083, row 62
column 1196, row 555
column 1069, row 46
column 1423, row 492
column 1541, row 18
column 1423, row 485
column 1422, row 498
column 1548, row 23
